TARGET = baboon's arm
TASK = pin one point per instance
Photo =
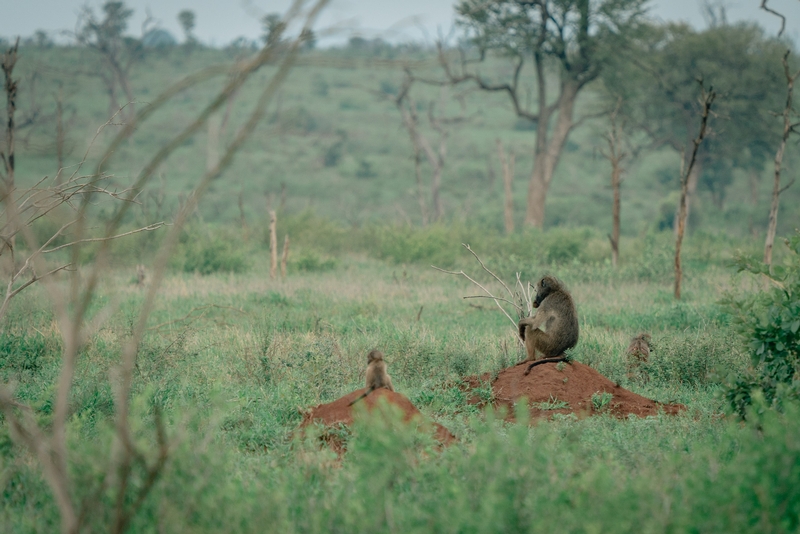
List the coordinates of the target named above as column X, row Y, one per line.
column 534, row 322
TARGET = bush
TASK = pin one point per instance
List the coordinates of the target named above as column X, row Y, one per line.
column 212, row 251
column 769, row 321
column 437, row 244
column 309, row 261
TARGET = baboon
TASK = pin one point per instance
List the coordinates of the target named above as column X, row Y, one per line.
column 376, row 374
column 555, row 310
column 638, row 352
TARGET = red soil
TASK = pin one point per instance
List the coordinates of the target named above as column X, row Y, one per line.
column 338, row 411
column 574, row 384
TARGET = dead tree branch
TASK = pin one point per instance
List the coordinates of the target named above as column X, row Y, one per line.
column 706, row 99
column 788, row 129
column 520, row 299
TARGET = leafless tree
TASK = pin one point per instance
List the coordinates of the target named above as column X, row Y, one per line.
column 436, row 157
column 615, row 155
column 706, row 99
column 118, row 52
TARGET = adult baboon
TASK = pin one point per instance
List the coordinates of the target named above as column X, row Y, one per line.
column 555, row 310
column 376, row 374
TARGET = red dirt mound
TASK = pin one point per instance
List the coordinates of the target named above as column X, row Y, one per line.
column 338, row 411
column 574, row 384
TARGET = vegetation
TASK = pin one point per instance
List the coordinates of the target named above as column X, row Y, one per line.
column 213, row 361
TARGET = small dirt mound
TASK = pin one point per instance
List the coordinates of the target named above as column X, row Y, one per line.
column 551, row 388
column 339, row 411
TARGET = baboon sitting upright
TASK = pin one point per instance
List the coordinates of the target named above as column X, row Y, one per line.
column 638, row 352
column 556, row 312
column 376, row 374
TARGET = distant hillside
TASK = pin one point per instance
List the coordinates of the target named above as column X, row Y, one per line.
column 334, row 142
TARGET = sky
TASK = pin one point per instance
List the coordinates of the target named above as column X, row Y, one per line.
column 221, row 21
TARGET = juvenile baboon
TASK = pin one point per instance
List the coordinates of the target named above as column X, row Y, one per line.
column 638, row 352
column 555, row 310
column 376, row 374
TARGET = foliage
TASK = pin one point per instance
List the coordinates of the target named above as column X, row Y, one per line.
column 600, row 400
column 309, row 261
column 657, row 81
column 769, row 322
column 208, row 251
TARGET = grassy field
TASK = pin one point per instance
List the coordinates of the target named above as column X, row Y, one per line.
column 232, row 357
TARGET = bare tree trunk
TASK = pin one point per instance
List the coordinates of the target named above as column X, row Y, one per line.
column 9, row 60
column 60, row 132
column 691, row 190
column 285, row 256
column 409, row 114
column 753, row 179
column 776, row 185
column 423, row 206
column 212, row 143
column 548, row 152
column 273, row 244
column 708, row 99
column 508, row 178
column 490, row 171
column 242, row 218
column 616, row 170
column 615, row 156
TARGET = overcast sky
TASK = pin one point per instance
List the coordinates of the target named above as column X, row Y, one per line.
column 221, row 21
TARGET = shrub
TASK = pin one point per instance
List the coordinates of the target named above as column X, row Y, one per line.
column 769, row 321
column 309, row 261
column 207, row 252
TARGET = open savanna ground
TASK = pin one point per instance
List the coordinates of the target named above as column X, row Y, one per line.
column 231, row 361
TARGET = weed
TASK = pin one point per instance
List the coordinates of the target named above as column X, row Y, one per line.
column 600, row 401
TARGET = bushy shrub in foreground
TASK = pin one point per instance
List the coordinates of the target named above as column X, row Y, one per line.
column 769, row 322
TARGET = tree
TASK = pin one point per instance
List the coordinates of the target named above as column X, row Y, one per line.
column 421, row 144
column 273, row 27
column 186, row 19
column 119, row 53
column 658, row 78
column 788, row 129
column 567, row 42
column 706, row 100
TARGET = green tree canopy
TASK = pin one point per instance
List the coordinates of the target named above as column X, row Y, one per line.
column 658, row 82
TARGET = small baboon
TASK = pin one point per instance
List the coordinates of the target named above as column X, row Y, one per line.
column 638, row 352
column 555, row 310
column 376, row 374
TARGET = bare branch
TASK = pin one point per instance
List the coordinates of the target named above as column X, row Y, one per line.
column 148, row 228
column 772, row 11
column 488, row 293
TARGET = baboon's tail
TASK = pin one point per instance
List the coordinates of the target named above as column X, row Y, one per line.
column 370, row 390
column 546, row 360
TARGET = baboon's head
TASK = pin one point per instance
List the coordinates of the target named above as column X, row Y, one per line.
column 545, row 286
column 374, row 355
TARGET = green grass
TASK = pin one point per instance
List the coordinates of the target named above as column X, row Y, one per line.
column 231, row 358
